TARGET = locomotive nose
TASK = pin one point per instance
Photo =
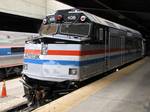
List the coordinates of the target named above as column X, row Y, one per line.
column 53, row 62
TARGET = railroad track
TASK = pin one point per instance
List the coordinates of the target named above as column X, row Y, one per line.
column 13, row 76
column 18, row 108
column 25, row 108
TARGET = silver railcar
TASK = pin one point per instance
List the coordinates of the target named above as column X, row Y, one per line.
column 11, row 52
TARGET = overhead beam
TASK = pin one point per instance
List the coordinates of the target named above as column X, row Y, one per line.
column 115, row 12
column 107, row 10
column 37, row 9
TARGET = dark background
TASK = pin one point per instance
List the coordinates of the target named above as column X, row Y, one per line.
column 11, row 22
column 132, row 13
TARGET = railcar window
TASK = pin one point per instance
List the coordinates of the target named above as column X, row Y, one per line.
column 115, row 38
column 75, row 29
column 99, row 34
column 17, row 50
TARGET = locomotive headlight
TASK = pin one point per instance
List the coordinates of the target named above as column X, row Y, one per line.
column 83, row 18
column 73, row 71
column 45, row 21
column 59, row 17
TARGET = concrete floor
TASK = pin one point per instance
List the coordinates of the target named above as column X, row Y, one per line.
column 14, row 94
column 127, row 90
column 129, row 94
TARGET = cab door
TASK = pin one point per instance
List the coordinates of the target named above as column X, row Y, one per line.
column 103, row 41
column 100, row 43
column 122, row 47
column 107, row 50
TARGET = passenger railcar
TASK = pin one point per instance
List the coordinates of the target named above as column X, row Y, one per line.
column 11, row 52
column 73, row 46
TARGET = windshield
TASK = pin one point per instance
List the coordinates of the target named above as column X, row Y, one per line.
column 48, row 29
column 75, row 29
column 69, row 29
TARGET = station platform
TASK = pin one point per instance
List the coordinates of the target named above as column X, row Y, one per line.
column 14, row 94
column 127, row 90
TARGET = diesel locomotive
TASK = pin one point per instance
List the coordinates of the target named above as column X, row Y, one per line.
column 74, row 46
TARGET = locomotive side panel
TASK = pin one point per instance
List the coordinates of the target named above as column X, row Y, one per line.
column 92, row 60
column 133, row 46
column 115, row 49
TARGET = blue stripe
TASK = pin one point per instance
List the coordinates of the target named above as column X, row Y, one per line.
column 51, row 62
column 5, row 51
column 62, row 62
column 74, row 63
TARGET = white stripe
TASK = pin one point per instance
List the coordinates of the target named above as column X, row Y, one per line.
column 59, row 57
column 33, row 46
column 11, row 56
column 64, row 46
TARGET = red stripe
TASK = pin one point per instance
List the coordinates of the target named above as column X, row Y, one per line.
column 29, row 51
column 80, row 53
column 72, row 53
column 64, row 52
column 92, row 52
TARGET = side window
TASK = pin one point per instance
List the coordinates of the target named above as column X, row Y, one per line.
column 99, row 34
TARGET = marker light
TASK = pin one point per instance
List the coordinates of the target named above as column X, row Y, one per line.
column 82, row 18
column 59, row 17
column 72, row 71
column 45, row 21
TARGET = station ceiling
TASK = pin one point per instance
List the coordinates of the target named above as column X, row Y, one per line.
column 132, row 13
